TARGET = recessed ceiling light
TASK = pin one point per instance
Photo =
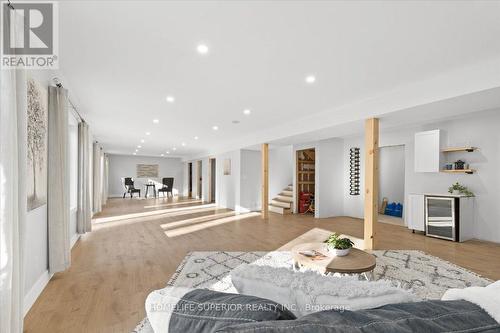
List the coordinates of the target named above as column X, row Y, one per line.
column 136, row 150
column 202, row 48
column 215, row 128
column 246, row 112
column 156, row 121
column 134, row 154
column 168, row 152
column 310, row 79
column 148, row 133
column 162, row 155
column 142, row 140
column 183, row 144
column 196, row 138
column 170, row 99
column 139, row 146
column 174, row 149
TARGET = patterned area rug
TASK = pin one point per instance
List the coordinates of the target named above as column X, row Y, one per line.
column 429, row 277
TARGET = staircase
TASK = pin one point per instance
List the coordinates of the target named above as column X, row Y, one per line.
column 282, row 203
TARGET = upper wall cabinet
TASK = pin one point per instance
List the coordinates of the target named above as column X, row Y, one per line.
column 427, row 151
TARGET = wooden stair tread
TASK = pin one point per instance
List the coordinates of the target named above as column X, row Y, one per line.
column 285, row 198
column 280, row 203
column 279, row 210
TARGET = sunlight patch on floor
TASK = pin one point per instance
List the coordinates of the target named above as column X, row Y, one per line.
column 97, row 226
column 200, row 226
column 205, row 218
column 174, row 204
column 150, row 213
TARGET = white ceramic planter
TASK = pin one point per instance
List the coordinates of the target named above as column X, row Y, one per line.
column 339, row 253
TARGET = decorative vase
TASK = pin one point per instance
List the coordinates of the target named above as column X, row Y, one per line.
column 456, row 192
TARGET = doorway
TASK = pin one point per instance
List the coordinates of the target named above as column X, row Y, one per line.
column 190, row 180
column 199, row 180
column 212, row 182
column 391, row 184
column 306, row 170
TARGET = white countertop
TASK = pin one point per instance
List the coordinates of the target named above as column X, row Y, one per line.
column 447, row 195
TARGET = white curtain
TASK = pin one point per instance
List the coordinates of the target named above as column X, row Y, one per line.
column 105, row 182
column 58, row 181
column 84, row 165
column 97, row 183
column 13, row 199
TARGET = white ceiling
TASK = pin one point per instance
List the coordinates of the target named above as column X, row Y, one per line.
column 122, row 58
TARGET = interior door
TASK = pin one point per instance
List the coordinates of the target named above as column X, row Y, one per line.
column 200, row 180
column 190, row 180
column 212, row 180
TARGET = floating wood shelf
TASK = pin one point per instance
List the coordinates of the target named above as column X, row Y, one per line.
column 307, row 172
column 467, row 171
column 306, row 183
column 456, row 149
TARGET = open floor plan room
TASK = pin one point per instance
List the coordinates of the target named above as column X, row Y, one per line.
column 105, row 291
column 250, row 166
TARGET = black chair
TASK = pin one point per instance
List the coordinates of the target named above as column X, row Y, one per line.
column 168, row 184
column 129, row 187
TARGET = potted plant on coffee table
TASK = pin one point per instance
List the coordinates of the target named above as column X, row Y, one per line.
column 338, row 245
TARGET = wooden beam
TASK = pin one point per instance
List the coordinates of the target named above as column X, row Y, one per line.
column 371, row 183
column 265, row 181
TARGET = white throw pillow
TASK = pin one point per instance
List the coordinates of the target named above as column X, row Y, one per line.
column 307, row 292
column 488, row 298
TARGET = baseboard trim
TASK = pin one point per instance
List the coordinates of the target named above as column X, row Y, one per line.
column 74, row 239
column 36, row 290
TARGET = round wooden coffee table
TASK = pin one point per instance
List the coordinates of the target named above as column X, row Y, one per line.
column 356, row 262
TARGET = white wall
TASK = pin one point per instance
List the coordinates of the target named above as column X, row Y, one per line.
column 228, row 186
column 329, row 200
column 354, row 204
column 121, row 166
column 481, row 130
column 185, row 178
column 205, row 176
column 241, row 190
column 281, row 168
column 36, row 248
column 328, row 178
column 36, row 274
column 392, row 173
column 195, row 176
column 251, row 181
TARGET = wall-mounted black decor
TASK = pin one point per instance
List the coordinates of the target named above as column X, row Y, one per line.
column 354, row 171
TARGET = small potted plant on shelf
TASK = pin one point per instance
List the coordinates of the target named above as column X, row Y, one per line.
column 339, row 246
column 457, row 189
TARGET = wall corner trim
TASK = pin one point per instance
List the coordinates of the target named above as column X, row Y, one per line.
column 74, row 239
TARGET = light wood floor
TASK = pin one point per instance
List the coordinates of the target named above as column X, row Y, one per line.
column 128, row 254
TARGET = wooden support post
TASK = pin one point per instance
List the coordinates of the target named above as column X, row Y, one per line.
column 265, row 181
column 371, row 183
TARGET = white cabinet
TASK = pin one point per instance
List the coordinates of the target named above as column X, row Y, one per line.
column 415, row 212
column 428, row 151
